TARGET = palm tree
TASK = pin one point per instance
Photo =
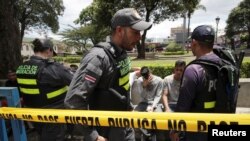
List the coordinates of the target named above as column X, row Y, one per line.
column 190, row 6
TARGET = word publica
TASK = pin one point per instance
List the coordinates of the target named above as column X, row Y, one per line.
column 216, row 132
column 134, row 123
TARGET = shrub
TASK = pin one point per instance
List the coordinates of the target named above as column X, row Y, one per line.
column 73, row 59
column 174, row 53
column 173, row 47
column 244, row 72
column 163, row 71
column 58, row 59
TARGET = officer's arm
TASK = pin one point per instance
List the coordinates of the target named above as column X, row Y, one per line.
column 84, row 81
column 187, row 89
column 83, row 85
column 65, row 75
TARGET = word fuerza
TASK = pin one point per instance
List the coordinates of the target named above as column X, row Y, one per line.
column 231, row 133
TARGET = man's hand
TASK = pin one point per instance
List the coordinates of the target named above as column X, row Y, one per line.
column 101, row 138
column 174, row 136
column 150, row 109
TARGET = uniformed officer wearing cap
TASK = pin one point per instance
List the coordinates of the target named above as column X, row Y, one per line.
column 102, row 79
column 196, row 94
column 43, row 84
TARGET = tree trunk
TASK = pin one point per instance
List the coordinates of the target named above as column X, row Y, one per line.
column 141, row 47
column 141, row 50
column 10, row 42
column 22, row 31
column 189, row 17
column 248, row 39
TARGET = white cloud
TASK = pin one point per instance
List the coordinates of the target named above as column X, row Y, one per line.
column 214, row 8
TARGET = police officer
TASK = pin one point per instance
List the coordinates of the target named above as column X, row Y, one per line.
column 102, row 79
column 195, row 95
column 43, row 84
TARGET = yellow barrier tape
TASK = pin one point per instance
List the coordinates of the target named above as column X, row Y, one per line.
column 149, row 120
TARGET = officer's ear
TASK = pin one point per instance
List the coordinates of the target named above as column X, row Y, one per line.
column 119, row 30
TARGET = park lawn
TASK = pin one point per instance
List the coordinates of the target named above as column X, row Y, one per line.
column 165, row 61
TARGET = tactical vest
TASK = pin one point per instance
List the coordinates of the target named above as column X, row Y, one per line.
column 34, row 93
column 113, row 94
column 205, row 99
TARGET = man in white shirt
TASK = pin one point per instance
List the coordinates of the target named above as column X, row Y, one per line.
column 150, row 91
column 171, row 86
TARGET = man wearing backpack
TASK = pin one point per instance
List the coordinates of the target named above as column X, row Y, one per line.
column 198, row 85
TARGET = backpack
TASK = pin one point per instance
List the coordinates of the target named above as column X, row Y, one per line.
column 227, row 85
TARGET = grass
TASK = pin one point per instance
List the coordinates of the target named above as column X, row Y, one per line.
column 163, row 60
column 167, row 60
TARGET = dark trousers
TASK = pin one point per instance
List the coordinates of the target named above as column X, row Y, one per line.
column 50, row 131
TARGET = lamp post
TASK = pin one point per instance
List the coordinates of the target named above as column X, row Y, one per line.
column 217, row 19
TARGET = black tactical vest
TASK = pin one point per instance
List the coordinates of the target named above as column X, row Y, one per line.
column 206, row 98
column 34, row 93
column 113, row 93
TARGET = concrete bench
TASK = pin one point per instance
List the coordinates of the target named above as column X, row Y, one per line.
column 244, row 93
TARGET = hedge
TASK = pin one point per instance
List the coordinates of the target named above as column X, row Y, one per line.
column 163, row 71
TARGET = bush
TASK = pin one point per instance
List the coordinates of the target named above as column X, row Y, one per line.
column 173, row 47
column 58, row 59
column 73, row 59
column 244, row 72
column 163, row 71
column 174, row 53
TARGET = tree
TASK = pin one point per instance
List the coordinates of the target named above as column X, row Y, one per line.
column 10, row 42
column 155, row 11
column 238, row 21
column 100, row 12
column 39, row 14
column 98, row 16
column 79, row 37
column 190, row 6
column 76, row 37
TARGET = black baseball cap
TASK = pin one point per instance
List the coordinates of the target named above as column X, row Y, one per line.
column 129, row 17
column 203, row 33
column 42, row 44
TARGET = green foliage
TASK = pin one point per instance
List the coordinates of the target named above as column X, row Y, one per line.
column 160, row 68
column 58, row 59
column 39, row 14
column 100, row 12
column 73, row 59
column 182, row 52
column 173, row 47
column 244, row 71
column 161, row 71
column 239, row 20
column 68, row 59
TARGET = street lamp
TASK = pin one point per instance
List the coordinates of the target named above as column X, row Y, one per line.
column 217, row 19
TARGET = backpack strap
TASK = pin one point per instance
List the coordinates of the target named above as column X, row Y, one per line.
column 223, row 66
column 206, row 62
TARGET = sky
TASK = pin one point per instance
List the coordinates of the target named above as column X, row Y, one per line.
column 214, row 8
